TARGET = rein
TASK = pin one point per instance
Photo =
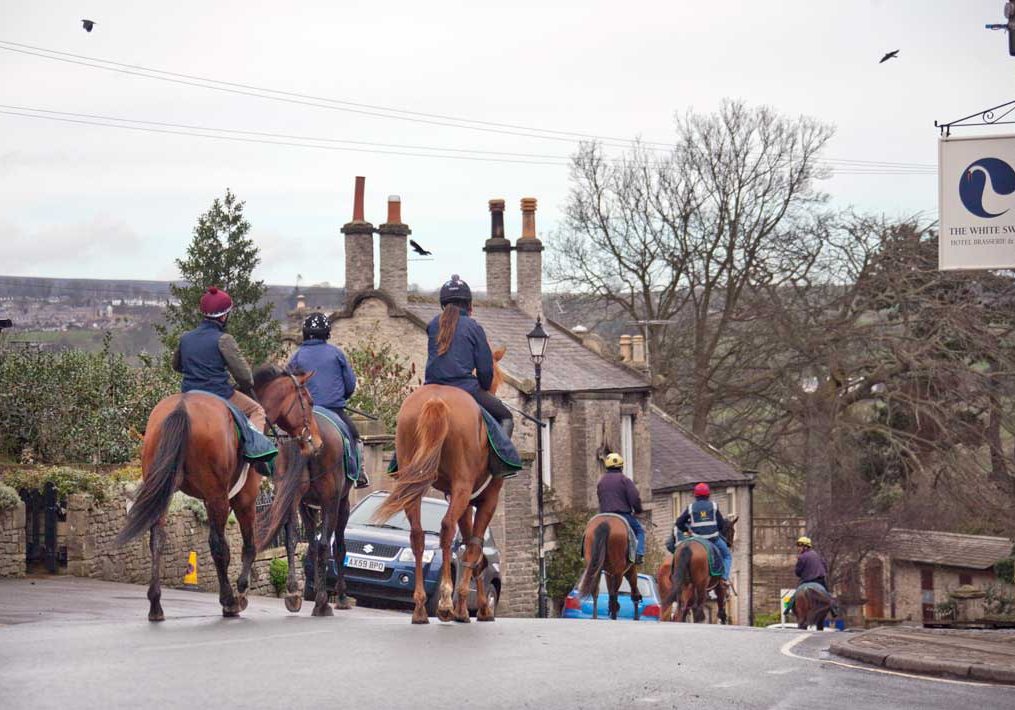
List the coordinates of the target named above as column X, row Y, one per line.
column 304, row 435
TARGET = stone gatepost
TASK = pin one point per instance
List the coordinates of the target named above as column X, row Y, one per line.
column 12, row 541
column 852, row 610
column 970, row 603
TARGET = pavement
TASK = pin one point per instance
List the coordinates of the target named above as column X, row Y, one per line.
column 78, row 643
column 976, row 655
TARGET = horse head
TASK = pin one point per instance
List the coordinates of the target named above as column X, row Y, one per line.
column 287, row 403
column 729, row 529
column 498, row 375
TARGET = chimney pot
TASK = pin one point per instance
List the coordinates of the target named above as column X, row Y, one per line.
column 357, row 201
column 625, row 348
column 528, row 218
column 638, row 349
column 301, row 303
column 394, row 209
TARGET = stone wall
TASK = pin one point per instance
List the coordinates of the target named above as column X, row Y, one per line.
column 904, row 597
column 775, row 556
column 12, row 541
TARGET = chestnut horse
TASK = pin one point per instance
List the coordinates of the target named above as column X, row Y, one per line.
column 191, row 444
column 441, row 440
column 686, row 579
column 812, row 605
column 605, row 550
column 302, row 482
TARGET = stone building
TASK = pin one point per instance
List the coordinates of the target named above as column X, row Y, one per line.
column 592, row 404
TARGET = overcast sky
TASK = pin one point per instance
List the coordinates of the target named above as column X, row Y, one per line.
column 80, row 200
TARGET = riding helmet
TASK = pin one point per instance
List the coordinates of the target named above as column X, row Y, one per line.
column 215, row 303
column 804, row 541
column 455, row 290
column 614, row 460
column 702, row 489
column 316, row 326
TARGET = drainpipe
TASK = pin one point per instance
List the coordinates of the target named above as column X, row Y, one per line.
column 750, row 553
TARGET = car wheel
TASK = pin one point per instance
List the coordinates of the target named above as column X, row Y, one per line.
column 492, row 596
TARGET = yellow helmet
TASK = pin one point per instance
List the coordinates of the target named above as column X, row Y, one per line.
column 805, row 541
column 614, row 461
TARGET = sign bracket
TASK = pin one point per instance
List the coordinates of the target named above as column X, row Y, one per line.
column 988, row 117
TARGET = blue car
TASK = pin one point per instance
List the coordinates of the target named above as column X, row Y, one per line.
column 576, row 607
column 379, row 564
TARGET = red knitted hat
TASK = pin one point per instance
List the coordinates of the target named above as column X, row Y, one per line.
column 215, row 303
column 702, row 489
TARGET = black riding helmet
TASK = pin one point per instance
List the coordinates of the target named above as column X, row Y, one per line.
column 455, row 291
column 316, row 326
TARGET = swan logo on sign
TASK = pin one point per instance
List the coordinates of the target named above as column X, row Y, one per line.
column 984, row 185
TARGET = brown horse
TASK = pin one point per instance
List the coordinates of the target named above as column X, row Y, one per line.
column 811, row 606
column 605, row 549
column 303, row 481
column 191, row 444
column 685, row 578
column 441, row 439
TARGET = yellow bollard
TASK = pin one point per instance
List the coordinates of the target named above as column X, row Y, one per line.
column 190, row 578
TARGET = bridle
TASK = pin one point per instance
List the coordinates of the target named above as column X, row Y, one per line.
column 304, row 436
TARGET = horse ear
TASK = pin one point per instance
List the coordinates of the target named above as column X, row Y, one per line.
column 733, row 519
column 305, row 376
column 499, row 353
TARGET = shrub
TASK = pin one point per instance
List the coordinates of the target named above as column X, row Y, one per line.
column 65, row 480
column 565, row 564
column 1005, row 569
column 763, row 620
column 384, row 379
column 278, row 573
column 9, row 497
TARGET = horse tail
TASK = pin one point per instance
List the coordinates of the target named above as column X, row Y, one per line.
column 420, row 473
column 681, row 574
column 287, row 489
column 163, row 477
column 597, row 558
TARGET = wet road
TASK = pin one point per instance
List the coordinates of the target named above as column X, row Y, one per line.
column 71, row 643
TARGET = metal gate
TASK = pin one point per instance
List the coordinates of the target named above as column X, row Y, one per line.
column 42, row 512
column 264, row 499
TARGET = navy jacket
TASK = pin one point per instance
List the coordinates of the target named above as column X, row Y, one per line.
column 618, row 494
column 810, row 566
column 702, row 518
column 469, row 351
column 333, row 381
column 201, row 361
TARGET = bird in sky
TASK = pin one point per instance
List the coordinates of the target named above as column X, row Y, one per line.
column 88, row 25
column 418, row 249
column 891, row 55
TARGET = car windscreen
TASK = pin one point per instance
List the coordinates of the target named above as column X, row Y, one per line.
column 432, row 514
column 645, row 586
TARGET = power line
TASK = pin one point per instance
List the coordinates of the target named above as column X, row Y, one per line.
column 361, row 108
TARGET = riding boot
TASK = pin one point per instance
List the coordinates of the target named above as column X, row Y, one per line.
column 362, row 481
column 508, row 425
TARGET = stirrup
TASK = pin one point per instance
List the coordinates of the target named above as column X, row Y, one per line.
column 362, row 481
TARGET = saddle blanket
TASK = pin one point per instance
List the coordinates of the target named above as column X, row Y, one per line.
column 803, row 588
column 715, row 565
column 504, row 461
column 254, row 445
column 632, row 541
column 350, row 451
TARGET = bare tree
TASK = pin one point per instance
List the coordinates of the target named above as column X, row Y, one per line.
column 676, row 240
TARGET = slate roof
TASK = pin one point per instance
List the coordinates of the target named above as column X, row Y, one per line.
column 569, row 366
column 679, row 460
column 949, row 549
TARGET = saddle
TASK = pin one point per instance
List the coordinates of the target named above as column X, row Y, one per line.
column 350, row 452
column 254, row 445
column 715, row 564
column 632, row 541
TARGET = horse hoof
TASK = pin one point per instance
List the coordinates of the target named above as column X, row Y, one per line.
column 343, row 603
column 485, row 617
column 444, row 614
column 156, row 616
column 420, row 619
column 293, row 602
column 463, row 619
column 325, row 610
column 230, row 611
column 241, row 602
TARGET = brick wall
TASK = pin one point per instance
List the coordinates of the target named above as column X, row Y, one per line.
column 12, row 541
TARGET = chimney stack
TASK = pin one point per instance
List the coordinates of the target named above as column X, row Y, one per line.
column 498, row 257
column 359, row 247
column 625, row 348
column 301, row 303
column 394, row 254
column 530, row 262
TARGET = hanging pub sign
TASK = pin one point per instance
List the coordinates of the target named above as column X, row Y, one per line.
column 976, row 197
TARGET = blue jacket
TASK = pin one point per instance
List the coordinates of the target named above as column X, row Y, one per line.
column 702, row 518
column 201, row 361
column 469, row 351
column 333, row 381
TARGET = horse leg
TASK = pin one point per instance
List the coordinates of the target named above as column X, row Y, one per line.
column 595, row 596
column 309, row 518
column 466, row 566
column 417, row 538
column 157, row 537
column 484, row 513
column 612, row 587
column 720, row 602
column 321, row 605
column 218, row 513
column 632, row 581
column 293, row 600
column 456, row 508
column 245, row 510
column 342, row 602
column 700, row 595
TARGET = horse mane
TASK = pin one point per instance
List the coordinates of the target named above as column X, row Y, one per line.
column 270, row 372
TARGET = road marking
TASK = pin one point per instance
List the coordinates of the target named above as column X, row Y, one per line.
column 787, row 650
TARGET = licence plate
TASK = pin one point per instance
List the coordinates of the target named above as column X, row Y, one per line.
column 364, row 563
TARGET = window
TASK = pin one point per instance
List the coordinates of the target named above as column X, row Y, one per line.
column 965, row 579
column 546, row 433
column 627, row 443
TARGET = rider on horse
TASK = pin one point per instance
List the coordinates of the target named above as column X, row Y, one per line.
column 702, row 518
column 618, row 494
column 207, row 355
column 333, row 381
column 810, row 565
column 456, row 346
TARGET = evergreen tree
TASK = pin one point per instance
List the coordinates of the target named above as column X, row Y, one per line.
column 221, row 254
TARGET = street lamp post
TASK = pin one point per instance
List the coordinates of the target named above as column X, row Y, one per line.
column 537, row 347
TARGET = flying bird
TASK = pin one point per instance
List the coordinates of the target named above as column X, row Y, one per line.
column 418, row 249
column 891, row 55
column 88, row 25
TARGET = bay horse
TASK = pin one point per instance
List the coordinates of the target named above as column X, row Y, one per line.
column 605, row 549
column 305, row 481
column 441, row 440
column 686, row 579
column 191, row 444
column 811, row 606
